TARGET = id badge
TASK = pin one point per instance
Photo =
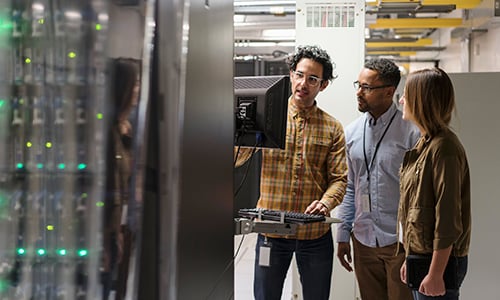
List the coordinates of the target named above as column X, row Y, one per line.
column 265, row 255
column 364, row 197
column 365, row 202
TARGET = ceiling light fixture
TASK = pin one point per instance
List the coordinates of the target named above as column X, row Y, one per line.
column 264, row 3
column 289, row 33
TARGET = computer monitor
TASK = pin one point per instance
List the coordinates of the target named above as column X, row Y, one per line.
column 261, row 104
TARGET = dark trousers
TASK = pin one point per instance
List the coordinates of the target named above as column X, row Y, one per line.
column 450, row 294
column 314, row 261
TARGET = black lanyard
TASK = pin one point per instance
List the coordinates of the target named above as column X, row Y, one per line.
column 369, row 166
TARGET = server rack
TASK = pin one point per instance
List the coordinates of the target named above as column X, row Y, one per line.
column 53, row 113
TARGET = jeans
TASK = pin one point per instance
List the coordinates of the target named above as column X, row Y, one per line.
column 314, row 261
column 450, row 294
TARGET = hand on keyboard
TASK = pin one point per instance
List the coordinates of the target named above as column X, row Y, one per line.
column 278, row 215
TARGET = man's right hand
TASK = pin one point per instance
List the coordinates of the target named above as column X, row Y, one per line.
column 343, row 252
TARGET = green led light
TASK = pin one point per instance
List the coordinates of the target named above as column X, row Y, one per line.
column 99, row 116
column 27, row 60
column 41, row 252
column 2, row 102
column 4, row 24
column 4, row 285
column 62, row 252
column 82, row 252
column 29, row 144
column 82, row 166
column 98, row 27
column 48, row 145
column 72, row 54
column 19, row 165
column 50, row 227
column 21, row 251
column 39, row 166
column 41, row 21
column 100, row 204
column 61, row 166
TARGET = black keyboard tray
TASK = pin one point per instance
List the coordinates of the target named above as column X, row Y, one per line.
column 279, row 216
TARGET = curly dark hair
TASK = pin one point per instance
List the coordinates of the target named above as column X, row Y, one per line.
column 318, row 55
column 387, row 70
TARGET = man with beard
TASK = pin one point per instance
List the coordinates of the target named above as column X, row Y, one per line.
column 375, row 145
column 309, row 176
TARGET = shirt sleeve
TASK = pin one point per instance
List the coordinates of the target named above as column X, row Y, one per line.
column 448, row 173
column 337, row 170
column 346, row 210
column 242, row 155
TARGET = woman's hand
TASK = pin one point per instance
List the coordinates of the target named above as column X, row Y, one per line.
column 402, row 272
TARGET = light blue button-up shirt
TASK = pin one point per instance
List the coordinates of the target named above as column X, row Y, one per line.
column 370, row 207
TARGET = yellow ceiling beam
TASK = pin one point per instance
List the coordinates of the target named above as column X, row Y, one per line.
column 403, row 53
column 417, row 43
column 416, row 23
column 396, row 1
column 460, row 4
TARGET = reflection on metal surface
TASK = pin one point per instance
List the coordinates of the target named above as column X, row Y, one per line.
column 194, row 52
column 135, row 212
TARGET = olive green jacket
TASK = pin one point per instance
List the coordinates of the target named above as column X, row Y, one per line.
column 434, row 209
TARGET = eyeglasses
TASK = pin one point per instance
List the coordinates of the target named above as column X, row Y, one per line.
column 368, row 89
column 311, row 79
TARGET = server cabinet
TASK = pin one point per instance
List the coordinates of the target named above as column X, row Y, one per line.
column 53, row 116
column 195, row 87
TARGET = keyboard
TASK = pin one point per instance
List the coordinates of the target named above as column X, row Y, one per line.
column 277, row 215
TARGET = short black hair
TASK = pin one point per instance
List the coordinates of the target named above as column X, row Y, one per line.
column 387, row 70
column 318, row 55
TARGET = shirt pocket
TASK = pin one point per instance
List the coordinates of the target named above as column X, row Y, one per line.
column 317, row 149
column 420, row 229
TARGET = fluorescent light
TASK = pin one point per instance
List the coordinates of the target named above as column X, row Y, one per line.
column 264, row 44
column 278, row 33
column 247, row 24
column 367, row 33
column 277, row 10
column 255, row 44
column 239, row 18
column 263, row 3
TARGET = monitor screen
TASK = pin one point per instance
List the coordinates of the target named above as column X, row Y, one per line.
column 261, row 104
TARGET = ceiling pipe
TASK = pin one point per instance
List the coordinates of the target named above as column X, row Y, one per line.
column 264, row 10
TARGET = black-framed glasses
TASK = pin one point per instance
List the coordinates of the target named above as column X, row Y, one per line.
column 311, row 79
column 366, row 88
